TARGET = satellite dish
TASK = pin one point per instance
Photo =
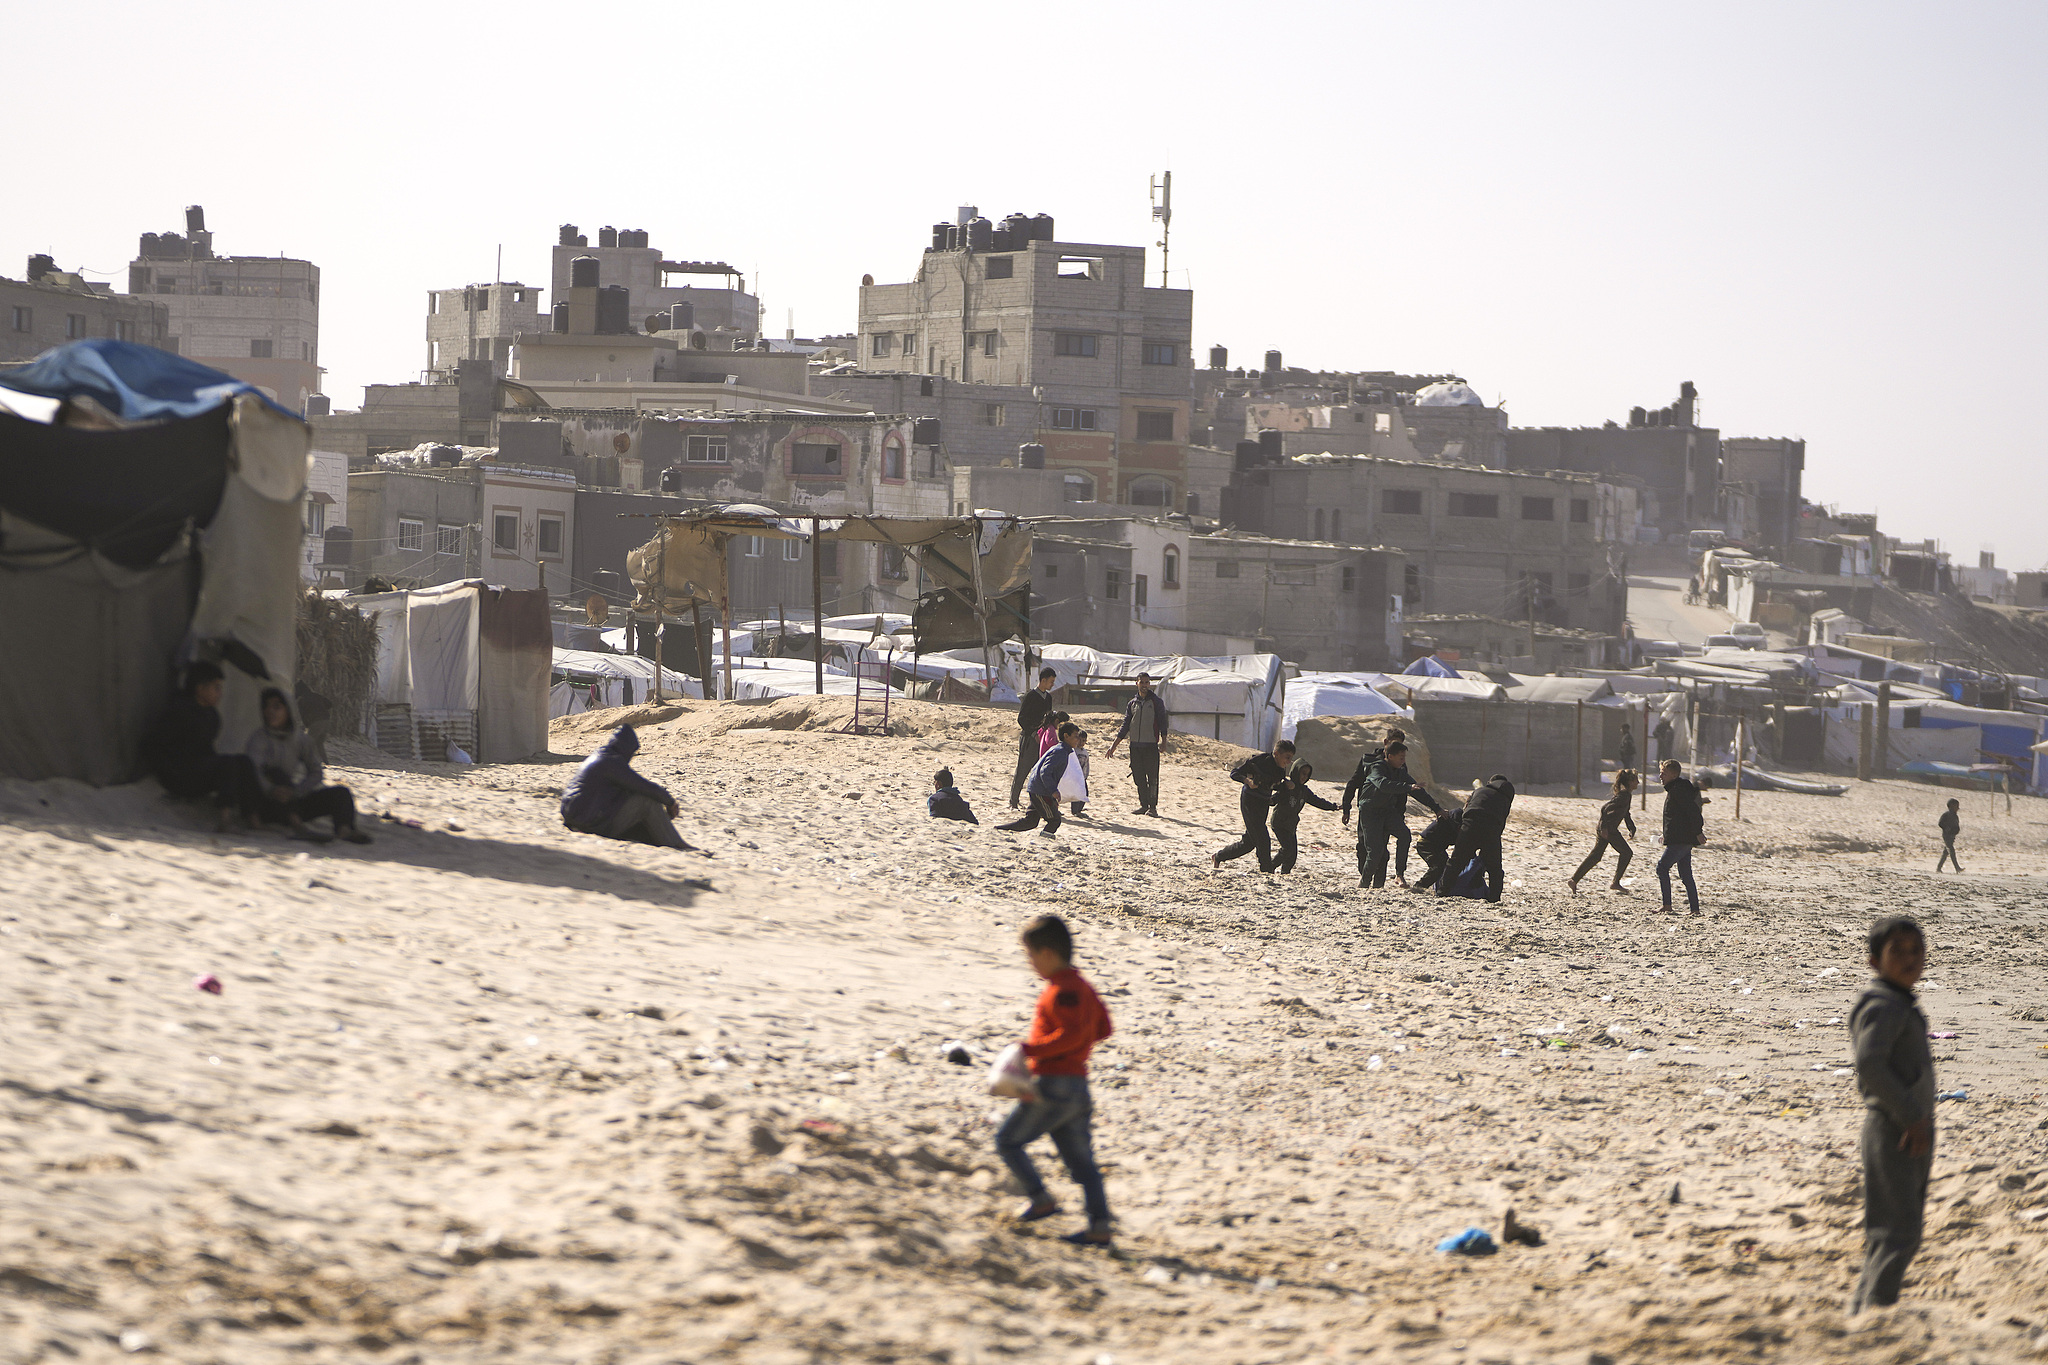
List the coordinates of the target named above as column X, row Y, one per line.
column 598, row 610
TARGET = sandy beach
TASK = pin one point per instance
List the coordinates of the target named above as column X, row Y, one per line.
column 489, row 1090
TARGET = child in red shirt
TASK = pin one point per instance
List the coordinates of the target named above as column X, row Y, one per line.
column 1069, row 1021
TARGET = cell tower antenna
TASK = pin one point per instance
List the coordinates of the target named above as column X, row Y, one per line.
column 1162, row 209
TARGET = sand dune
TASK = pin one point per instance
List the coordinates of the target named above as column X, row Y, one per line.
column 491, row 1090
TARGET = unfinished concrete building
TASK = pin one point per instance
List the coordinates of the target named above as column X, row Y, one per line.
column 478, row 322
column 256, row 317
column 1068, row 337
column 1769, row 469
column 1677, row 462
column 54, row 306
column 722, row 318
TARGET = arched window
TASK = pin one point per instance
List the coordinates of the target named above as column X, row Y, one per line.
column 1337, row 523
column 1151, row 492
column 1078, row 488
column 1319, row 524
column 1169, row 569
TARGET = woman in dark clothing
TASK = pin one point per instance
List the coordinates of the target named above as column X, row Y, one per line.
column 1614, row 814
column 181, row 756
column 288, row 773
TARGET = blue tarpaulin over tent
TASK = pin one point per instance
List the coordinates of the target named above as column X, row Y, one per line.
column 134, row 383
column 1428, row 667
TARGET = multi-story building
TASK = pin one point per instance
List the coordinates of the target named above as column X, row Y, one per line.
column 478, row 322
column 1080, row 346
column 417, row 524
column 54, row 306
column 1487, row 541
column 1677, row 462
column 256, row 317
column 1143, row 585
column 717, row 319
column 326, row 519
column 1769, row 469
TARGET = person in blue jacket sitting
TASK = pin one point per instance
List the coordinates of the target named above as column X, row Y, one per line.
column 608, row 799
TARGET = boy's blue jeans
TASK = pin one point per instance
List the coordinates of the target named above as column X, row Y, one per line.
column 1064, row 1115
column 1679, row 856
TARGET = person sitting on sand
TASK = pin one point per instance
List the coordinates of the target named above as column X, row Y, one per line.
column 179, row 750
column 1950, row 824
column 1288, row 799
column 1614, row 814
column 946, row 802
column 608, row 799
column 1435, row 845
column 288, row 775
column 1258, row 777
column 1065, row 1027
column 1042, row 788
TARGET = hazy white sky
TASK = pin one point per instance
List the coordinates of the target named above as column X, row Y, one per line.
column 1828, row 216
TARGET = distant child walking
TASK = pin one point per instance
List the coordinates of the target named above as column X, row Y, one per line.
column 1895, row 1073
column 1951, row 824
column 1613, row 815
column 946, row 802
column 1080, row 808
column 1069, row 1021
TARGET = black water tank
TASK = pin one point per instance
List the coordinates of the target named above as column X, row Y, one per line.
column 568, row 237
column 444, row 457
column 925, row 431
column 1041, row 227
column 1249, row 456
column 1219, row 358
column 682, row 317
column 613, row 303
column 981, row 234
column 1000, row 240
column 560, row 316
column 581, row 240
column 195, row 218
column 1639, row 417
column 610, row 582
column 336, row 543
column 607, row 236
column 318, row 405
column 1269, row 444
column 1273, row 362
column 149, row 240
column 1018, row 225
column 672, row 479
column 1031, row 455
column 939, row 231
column 583, row 272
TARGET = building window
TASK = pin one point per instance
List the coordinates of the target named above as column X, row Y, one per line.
column 1078, row 488
column 1296, row 574
column 1347, row 578
column 1383, row 423
column 1582, row 510
column 1411, row 587
column 316, row 517
column 992, row 414
column 1139, row 599
column 1539, row 509
column 121, row 331
column 519, row 296
column 1475, row 505
column 1151, row 492
column 999, row 267
column 1113, row 584
column 74, row 325
column 505, row 532
column 24, row 319
column 1169, row 573
column 704, row 450
column 1579, row 585
column 910, row 347
column 259, row 350
column 1052, row 570
column 828, row 559
column 1337, row 523
column 1319, row 525
column 882, row 340
column 1226, row 568
column 988, row 343
column 892, row 461
column 1161, row 353
column 1155, row 426
column 410, row 533
column 1074, row 419
column 817, row 460
column 548, row 540
column 895, row 564
column 755, row 546
column 1401, row 502
column 1081, row 344
column 792, row 551
column 447, row 539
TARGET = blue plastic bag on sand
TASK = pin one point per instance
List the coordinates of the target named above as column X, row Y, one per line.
column 1470, row 883
column 1470, row 1242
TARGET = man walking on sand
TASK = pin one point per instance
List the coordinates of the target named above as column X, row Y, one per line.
column 1685, row 828
column 1257, row 778
column 1145, row 721
column 1032, row 713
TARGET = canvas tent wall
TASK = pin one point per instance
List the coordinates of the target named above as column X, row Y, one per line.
column 460, row 663
column 1316, row 694
column 149, row 514
column 1237, row 698
column 617, row 679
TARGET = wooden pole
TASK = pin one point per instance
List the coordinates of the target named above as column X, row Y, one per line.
column 1881, row 749
column 698, row 651
column 1579, row 750
column 1863, row 743
column 981, row 609
column 725, row 605
column 660, row 610
column 1644, row 786
column 817, row 609
column 1741, row 725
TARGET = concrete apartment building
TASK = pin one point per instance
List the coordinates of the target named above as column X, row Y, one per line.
column 256, row 317
column 478, row 322
column 1097, row 359
column 1677, row 462
column 1158, row 586
column 1366, row 412
column 1768, row 470
column 505, row 523
column 54, row 306
column 1482, row 541
column 720, row 319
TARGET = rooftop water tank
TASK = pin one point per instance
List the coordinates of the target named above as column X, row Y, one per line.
column 1269, row 443
column 1273, row 362
column 583, row 272
column 1041, row 227
column 568, row 237
column 607, row 236
column 981, row 234
column 559, row 314
column 1031, row 455
column 939, row 233
column 1219, row 358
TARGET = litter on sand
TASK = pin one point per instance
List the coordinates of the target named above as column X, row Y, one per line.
column 1470, row 1242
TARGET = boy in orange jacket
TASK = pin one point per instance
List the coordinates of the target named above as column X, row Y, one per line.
column 1069, row 1021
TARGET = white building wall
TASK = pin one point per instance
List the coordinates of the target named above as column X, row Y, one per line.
column 533, row 497
column 327, row 472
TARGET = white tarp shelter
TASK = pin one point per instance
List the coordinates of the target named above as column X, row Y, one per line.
column 1332, row 694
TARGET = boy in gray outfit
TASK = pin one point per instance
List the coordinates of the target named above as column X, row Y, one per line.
column 1895, row 1072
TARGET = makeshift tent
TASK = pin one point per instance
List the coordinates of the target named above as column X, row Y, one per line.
column 1429, row 666
column 1242, row 706
column 460, row 664
column 149, row 515
column 1331, row 694
column 1406, row 687
column 1548, row 688
column 616, row 680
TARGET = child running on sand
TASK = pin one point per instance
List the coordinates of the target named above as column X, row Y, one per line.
column 1951, row 824
column 1895, row 1072
column 1613, row 814
column 1288, row 799
column 946, row 802
column 1069, row 1021
column 1081, row 757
